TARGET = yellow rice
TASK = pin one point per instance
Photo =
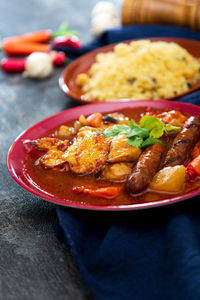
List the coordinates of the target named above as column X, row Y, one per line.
column 140, row 70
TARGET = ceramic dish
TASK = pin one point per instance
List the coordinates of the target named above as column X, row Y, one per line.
column 67, row 80
column 17, row 155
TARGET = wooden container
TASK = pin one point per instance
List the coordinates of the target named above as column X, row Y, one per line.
column 178, row 12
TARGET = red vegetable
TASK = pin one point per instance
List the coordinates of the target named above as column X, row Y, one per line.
column 109, row 192
column 65, row 41
column 196, row 150
column 193, row 168
column 59, row 58
column 11, row 65
column 94, row 120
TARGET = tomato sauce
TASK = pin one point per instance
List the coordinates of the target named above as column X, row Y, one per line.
column 61, row 183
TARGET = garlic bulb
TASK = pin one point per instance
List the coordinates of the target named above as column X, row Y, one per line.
column 103, row 17
column 102, row 22
column 103, row 7
column 38, row 65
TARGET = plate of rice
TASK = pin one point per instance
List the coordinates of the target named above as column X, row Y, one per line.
column 155, row 68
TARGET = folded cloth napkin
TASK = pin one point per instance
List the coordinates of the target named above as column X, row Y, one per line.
column 141, row 255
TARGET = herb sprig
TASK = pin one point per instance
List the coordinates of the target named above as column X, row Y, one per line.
column 147, row 133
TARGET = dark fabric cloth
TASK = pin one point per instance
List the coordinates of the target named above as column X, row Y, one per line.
column 139, row 255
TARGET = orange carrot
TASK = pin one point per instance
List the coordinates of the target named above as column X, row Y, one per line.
column 108, row 192
column 42, row 36
column 95, row 119
column 23, row 48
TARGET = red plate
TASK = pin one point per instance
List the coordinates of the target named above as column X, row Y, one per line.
column 16, row 154
column 67, row 80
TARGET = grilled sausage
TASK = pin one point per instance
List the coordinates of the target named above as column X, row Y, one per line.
column 183, row 143
column 145, row 168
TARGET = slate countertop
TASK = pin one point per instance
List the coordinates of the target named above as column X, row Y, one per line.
column 33, row 264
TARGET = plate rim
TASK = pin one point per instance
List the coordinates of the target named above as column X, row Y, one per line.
column 67, row 91
column 70, row 203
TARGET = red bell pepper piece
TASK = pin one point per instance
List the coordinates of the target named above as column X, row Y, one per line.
column 109, row 192
column 193, row 168
column 196, row 150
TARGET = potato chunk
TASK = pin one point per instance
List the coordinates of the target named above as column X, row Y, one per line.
column 120, row 151
column 169, row 179
column 117, row 172
column 89, row 152
column 65, row 132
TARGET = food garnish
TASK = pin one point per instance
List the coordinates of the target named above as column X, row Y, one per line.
column 145, row 134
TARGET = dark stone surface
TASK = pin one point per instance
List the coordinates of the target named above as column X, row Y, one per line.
column 33, row 264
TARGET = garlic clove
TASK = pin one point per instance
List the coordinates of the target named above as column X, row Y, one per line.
column 38, row 65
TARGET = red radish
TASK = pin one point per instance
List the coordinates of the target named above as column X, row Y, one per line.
column 65, row 41
column 59, row 58
column 11, row 65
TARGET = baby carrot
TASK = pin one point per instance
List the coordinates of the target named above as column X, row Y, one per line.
column 24, row 48
column 42, row 36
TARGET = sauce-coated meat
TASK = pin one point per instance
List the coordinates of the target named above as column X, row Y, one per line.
column 183, row 143
column 117, row 172
column 120, row 151
column 145, row 168
column 88, row 153
column 54, row 149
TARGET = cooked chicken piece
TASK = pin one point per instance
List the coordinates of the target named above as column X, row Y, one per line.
column 120, row 151
column 55, row 149
column 65, row 132
column 89, row 152
column 117, row 172
column 53, row 158
column 46, row 143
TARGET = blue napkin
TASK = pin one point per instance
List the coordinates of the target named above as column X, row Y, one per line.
column 139, row 255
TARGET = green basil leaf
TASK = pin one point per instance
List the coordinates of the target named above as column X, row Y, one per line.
column 150, row 141
column 153, row 125
column 170, row 127
column 132, row 124
column 142, row 132
column 135, row 141
column 119, row 129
